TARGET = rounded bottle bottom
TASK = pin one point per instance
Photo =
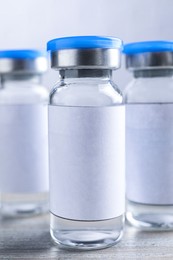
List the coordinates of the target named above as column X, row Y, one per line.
column 86, row 235
column 23, row 205
column 150, row 217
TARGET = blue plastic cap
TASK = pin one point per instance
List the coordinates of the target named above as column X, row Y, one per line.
column 148, row 46
column 84, row 42
column 22, row 54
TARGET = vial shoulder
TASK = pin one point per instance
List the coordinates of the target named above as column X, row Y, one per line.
column 103, row 94
column 35, row 93
column 149, row 90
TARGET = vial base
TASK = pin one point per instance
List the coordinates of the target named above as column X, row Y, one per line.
column 23, row 205
column 150, row 217
column 86, row 235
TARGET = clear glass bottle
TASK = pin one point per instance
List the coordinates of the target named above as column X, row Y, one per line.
column 23, row 133
column 149, row 138
column 86, row 144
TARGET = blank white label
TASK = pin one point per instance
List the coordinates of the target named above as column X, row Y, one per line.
column 149, row 153
column 23, row 148
column 87, row 150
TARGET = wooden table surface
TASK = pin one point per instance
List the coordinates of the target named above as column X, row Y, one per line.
column 30, row 239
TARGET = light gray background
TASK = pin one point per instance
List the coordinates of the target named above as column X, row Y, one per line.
column 31, row 23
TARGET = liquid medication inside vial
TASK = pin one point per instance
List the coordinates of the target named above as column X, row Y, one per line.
column 23, row 133
column 149, row 135
column 86, row 143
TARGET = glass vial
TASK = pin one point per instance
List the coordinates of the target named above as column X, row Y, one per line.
column 149, row 135
column 23, row 133
column 86, row 144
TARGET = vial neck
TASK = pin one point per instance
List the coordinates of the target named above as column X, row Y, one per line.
column 85, row 74
column 151, row 73
column 19, row 79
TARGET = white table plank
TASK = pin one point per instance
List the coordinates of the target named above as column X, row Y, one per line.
column 30, row 239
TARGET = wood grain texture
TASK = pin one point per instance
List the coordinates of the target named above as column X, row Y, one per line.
column 30, row 239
